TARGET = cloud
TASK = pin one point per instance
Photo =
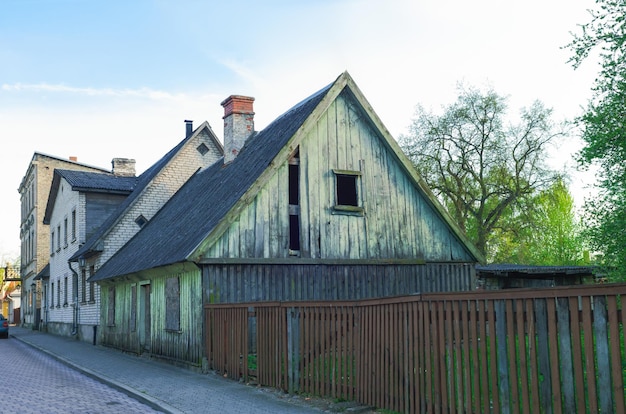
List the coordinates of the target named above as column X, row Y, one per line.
column 142, row 93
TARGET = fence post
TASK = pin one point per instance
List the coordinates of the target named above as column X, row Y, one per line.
column 293, row 349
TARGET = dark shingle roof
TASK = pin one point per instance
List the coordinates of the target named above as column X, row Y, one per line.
column 98, row 182
column 142, row 181
column 516, row 270
column 194, row 211
column 87, row 182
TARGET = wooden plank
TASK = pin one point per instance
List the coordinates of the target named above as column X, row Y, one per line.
column 565, row 355
column 483, row 356
column 577, row 354
column 457, row 371
column 522, row 354
column 601, row 339
column 511, row 361
column 588, row 354
column 554, row 356
column 493, row 358
column 616, row 359
column 467, row 368
column 543, row 354
column 499, row 365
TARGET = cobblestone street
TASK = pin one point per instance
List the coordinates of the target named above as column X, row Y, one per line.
column 37, row 383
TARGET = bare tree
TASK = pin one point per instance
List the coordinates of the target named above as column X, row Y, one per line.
column 479, row 164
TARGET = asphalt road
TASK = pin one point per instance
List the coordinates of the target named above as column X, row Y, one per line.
column 36, row 383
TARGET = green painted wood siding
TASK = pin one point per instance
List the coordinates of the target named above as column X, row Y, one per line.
column 182, row 345
column 398, row 222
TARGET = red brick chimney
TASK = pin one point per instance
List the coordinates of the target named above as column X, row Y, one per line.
column 238, row 124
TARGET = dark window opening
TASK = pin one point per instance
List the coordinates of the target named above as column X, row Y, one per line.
column 294, row 188
column 294, row 202
column 202, row 149
column 141, row 221
column 346, row 190
column 294, row 233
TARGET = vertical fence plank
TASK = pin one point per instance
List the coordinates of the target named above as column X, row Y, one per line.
column 577, row 354
column 457, row 371
column 592, row 399
column 521, row 331
column 500, row 365
column 532, row 352
column 475, row 377
column 482, row 347
column 543, row 353
column 565, row 355
column 617, row 383
column 493, row 360
column 602, row 353
column 512, row 359
column 466, row 367
column 554, row 355
column 428, row 356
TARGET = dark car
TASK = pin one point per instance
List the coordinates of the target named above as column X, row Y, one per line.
column 4, row 327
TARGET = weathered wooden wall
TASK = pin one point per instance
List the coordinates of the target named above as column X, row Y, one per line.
column 280, row 282
column 398, row 222
column 182, row 345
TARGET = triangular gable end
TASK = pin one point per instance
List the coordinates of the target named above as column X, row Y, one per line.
column 343, row 83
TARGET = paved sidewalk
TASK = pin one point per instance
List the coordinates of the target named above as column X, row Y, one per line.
column 160, row 385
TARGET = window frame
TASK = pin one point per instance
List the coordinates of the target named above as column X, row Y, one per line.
column 349, row 209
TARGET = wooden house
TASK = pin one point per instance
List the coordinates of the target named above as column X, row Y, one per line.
column 321, row 204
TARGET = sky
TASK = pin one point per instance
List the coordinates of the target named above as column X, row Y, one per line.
column 102, row 79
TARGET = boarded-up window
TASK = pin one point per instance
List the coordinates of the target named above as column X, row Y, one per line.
column 172, row 304
column 133, row 308
column 111, row 308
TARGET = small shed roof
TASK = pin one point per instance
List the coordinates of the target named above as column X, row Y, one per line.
column 529, row 271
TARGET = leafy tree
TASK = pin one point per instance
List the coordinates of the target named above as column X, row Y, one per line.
column 550, row 237
column 482, row 167
column 604, row 130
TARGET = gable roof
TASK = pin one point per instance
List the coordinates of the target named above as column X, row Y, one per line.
column 142, row 182
column 87, row 182
column 202, row 209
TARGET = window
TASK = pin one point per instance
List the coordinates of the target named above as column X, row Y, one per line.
column 92, row 285
column 65, row 291
column 141, row 221
column 58, row 237
column 59, row 294
column 111, row 307
column 65, row 233
column 73, row 225
column 347, row 194
column 202, row 149
column 52, row 295
column 83, row 285
column 294, row 204
column 52, row 243
column 172, row 304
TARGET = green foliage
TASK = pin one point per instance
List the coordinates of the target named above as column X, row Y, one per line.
column 604, row 131
column 481, row 166
column 547, row 233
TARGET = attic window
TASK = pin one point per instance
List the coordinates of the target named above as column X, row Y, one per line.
column 141, row 221
column 346, row 191
column 202, row 149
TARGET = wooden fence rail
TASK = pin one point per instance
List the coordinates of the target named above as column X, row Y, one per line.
column 558, row 350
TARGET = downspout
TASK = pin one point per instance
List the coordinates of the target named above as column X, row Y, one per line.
column 75, row 304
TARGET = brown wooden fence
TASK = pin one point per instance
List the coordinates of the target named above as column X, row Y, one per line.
column 518, row 351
